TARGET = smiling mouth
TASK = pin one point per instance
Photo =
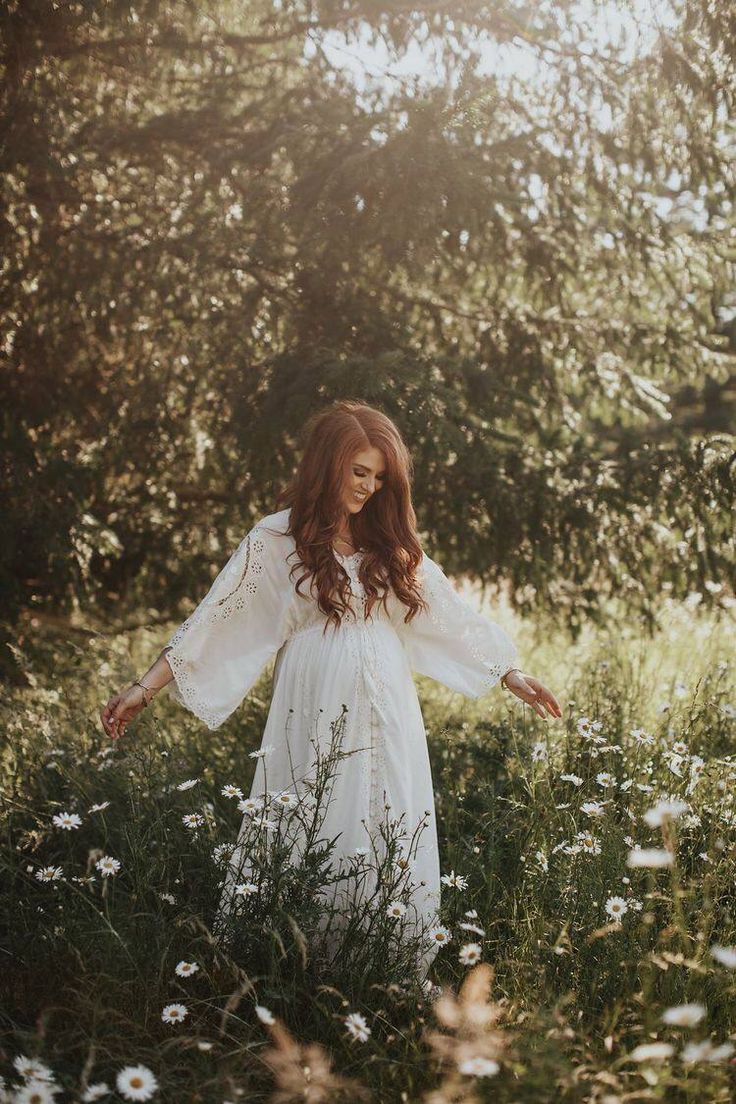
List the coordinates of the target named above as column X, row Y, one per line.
column 360, row 497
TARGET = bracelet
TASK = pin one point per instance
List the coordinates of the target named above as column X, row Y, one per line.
column 503, row 680
column 149, row 689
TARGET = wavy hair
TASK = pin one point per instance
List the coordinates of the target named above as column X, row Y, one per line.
column 385, row 529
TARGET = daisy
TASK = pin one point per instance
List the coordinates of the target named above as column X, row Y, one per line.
column 94, row 1092
column 725, row 955
column 231, row 791
column 593, row 808
column 250, row 805
column 647, row 1052
column 641, row 736
column 50, row 874
column 395, row 909
column 265, row 1015
column 168, row 897
column 650, row 857
column 36, row 1092
column 188, row 784
column 67, row 820
column 605, row 779
column 456, row 880
column 471, row 928
column 576, row 781
column 99, row 808
column 186, row 969
column 704, row 1051
column 616, row 907
column 285, row 800
column 439, row 934
column 136, row 1083
column 245, row 889
column 361, row 852
column 478, row 1067
column 174, row 1013
column 357, row 1026
column 107, row 865
column 665, row 811
column 470, row 953
column 32, row 1069
column 223, row 851
column 590, row 844
column 684, row 1015
column 266, row 750
column 192, row 820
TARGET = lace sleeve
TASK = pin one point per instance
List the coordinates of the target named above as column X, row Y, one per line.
column 454, row 643
column 219, row 652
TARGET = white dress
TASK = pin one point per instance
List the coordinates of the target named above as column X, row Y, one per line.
column 361, row 671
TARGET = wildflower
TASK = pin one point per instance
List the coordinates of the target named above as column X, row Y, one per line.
column 605, row 779
column 641, row 736
column 168, row 897
column 725, row 955
column 704, row 1051
column 95, row 1091
column 470, row 953
column 439, row 934
column 98, row 809
column 192, row 820
column 265, row 750
column 616, row 907
column 590, row 844
column 67, row 820
column 188, row 784
column 264, row 1014
column 361, row 852
column 245, row 889
column 456, row 880
column 204, row 1045
column 665, row 811
column 32, row 1069
column 576, row 781
column 650, row 857
column 285, row 800
column 542, row 860
column 478, row 1067
column 231, row 791
column 472, row 928
column 250, row 805
column 647, row 1052
column 593, row 808
column 186, row 969
column 395, row 909
column 50, row 874
column 684, row 1015
column 136, row 1083
column 107, row 865
column 174, row 1013
column 36, row 1092
column 472, row 914
column 357, row 1027
column 540, row 753
column 223, row 851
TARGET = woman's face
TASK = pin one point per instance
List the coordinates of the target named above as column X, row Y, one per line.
column 366, row 476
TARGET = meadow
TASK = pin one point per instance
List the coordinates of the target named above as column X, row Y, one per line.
column 571, row 971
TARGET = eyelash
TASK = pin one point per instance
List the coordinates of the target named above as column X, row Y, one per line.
column 361, row 474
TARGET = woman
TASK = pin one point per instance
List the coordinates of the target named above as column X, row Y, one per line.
column 336, row 585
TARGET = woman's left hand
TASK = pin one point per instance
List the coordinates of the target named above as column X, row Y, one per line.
column 534, row 693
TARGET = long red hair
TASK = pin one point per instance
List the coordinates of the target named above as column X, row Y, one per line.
column 385, row 527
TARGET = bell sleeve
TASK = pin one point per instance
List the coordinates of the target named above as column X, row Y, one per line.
column 219, row 652
column 454, row 643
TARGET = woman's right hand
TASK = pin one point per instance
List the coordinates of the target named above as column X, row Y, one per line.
column 121, row 709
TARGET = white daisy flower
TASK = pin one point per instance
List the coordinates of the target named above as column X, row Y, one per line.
column 396, row 909
column 684, row 1015
column 665, row 811
column 174, row 1013
column 472, row 914
column 192, row 820
column 439, row 934
column 36, row 1092
column 108, row 866
column 357, row 1026
column 574, row 778
column 540, row 752
column 95, row 1092
column 478, row 1067
column 652, row 1052
column 186, row 969
column 168, row 897
column 265, row 1015
column 245, row 889
column 231, row 791
column 98, row 809
column 475, row 928
column 250, row 805
column 67, row 820
column 32, row 1069
column 265, row 750
column 458, row 881
column 285, row 799
column 725, row 955
column 136, row 1083
column 705, row 1051
column 361, row 852
column 470, row 953
column 594, row 808
column 188, row 784
column 650, row 857
column 589, row 844
column 616, row 907
column 641, row 736
column 50, row 874
column 605, row 779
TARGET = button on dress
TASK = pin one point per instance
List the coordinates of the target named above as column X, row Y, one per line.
column 359, row 674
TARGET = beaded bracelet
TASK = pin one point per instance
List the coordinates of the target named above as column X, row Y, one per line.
column 150, row 690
